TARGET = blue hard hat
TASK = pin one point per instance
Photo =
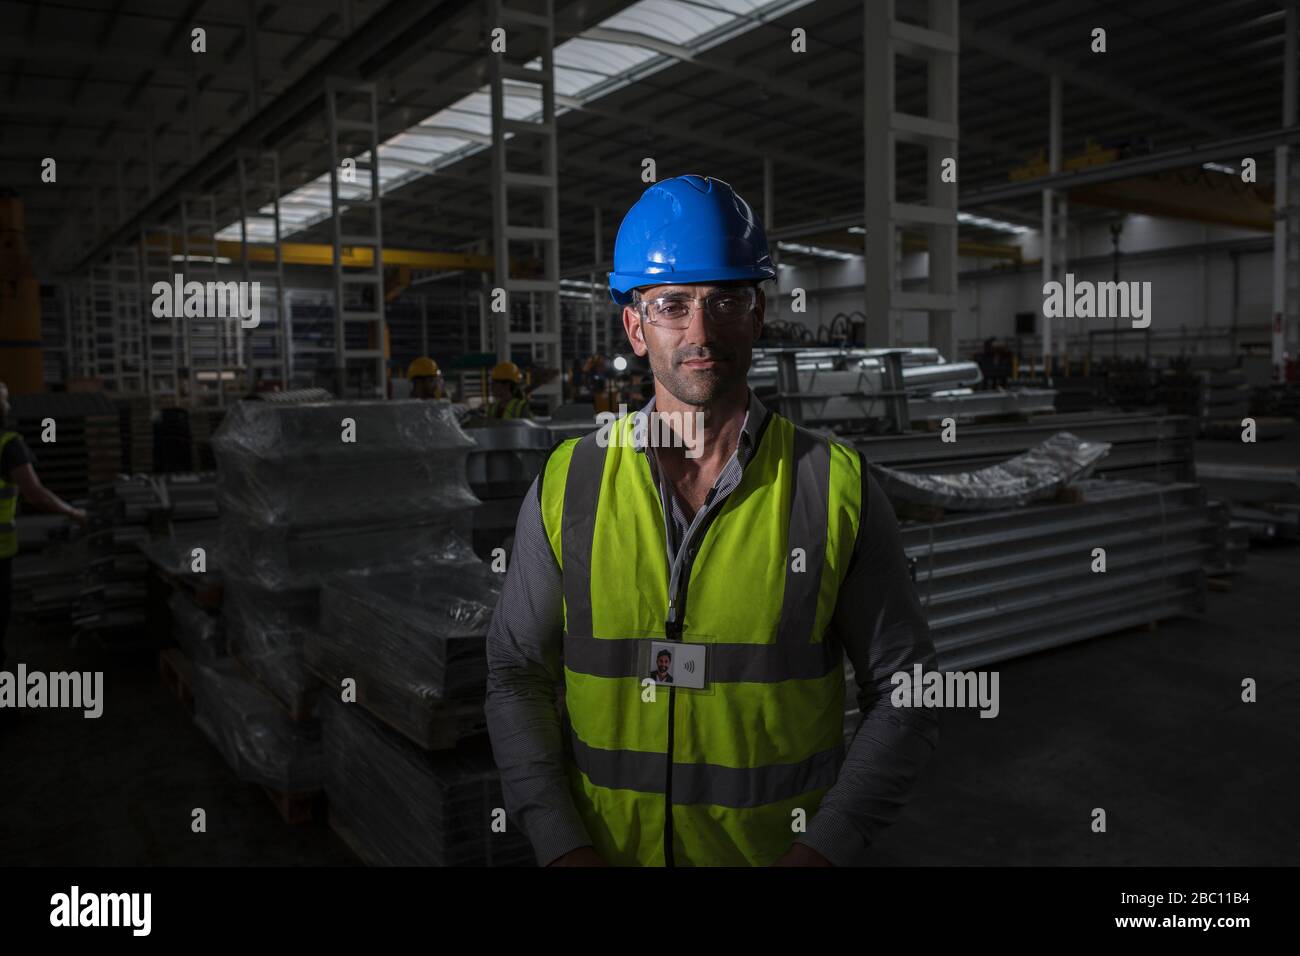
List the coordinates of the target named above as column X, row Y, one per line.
column 684, row 230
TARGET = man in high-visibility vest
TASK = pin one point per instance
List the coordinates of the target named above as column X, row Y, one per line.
column 18, row 477
column 755, row 552
column 508, row 398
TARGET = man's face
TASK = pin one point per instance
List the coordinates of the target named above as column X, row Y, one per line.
column 663, row 663
column 501, row 391
column 426, row 386
column 704, row 360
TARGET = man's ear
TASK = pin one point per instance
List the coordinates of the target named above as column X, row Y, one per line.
column 632, row 328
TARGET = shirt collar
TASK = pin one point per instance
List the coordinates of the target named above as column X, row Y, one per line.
column 755, row 416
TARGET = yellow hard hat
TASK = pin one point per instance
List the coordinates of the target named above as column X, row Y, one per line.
column 507, row 372
column 421, row 367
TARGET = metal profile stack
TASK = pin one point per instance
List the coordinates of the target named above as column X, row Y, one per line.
column 112, row 607
column 136, row 429
column 414, row 643
column 397, row 805
column 256, row 738
column 86, row 451
column 1002, row 584
column 314, row 489
column 1145, row 447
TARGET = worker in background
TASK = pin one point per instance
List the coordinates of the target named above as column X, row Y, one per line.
column 508, row 398
column 18, row 477
column 757, row 560
column 426, row 378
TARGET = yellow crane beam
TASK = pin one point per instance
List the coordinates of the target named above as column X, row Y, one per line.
column 322, row 254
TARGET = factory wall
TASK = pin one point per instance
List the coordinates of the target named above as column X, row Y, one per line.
column 1191, row 288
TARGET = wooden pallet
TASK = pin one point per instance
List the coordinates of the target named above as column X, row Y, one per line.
column 177, row 676
column 203, row 590
column 304, row 708
column 351, row 840
column 298, row 808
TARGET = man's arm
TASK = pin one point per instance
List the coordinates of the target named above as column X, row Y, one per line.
column 524, row 670
column 882, row 626
column 41, row 498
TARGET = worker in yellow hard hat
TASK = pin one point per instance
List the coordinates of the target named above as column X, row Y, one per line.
column 508, row 398
column 426, row 378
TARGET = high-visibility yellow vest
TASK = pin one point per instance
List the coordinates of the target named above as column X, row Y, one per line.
column 8, row 506
column 511, row 408
column 713, row 776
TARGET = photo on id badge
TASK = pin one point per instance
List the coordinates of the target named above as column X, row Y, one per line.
column 676, row 664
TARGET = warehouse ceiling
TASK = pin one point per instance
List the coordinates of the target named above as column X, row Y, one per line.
column 112, row 90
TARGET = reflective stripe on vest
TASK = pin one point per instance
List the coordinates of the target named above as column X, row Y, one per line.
column 8, row 506
column 765, row 737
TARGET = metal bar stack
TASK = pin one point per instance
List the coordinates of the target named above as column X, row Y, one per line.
column 1002, row 584
column 313, row 489
column 397, row 805
column 1147, row 447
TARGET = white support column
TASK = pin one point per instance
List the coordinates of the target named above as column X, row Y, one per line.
column 1286, row 224
column 203, row 336
column 266, row 346
column 878, row 170
column 161, row 335
column 597, row 306
column 1049, row 232
column 358, row 290
column 543, row 313
column 937, row 45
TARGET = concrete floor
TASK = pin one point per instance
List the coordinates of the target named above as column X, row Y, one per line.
column 1146, row 724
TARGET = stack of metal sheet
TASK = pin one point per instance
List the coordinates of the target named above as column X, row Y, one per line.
column 197, row 631
column 1003, row 584
column 414, row 644
column 1146, row 447
column 111, row 607
column 397, row 805
column 261, row 743
column 86, row 450
column 312, row 489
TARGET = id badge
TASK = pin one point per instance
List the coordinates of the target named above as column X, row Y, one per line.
column 675, row 664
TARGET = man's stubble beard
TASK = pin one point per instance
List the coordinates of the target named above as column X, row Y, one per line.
column 701, row 387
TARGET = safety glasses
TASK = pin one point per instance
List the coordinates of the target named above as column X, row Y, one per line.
column 674, row 311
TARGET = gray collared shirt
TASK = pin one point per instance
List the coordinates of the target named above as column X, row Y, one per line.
column 878, row 620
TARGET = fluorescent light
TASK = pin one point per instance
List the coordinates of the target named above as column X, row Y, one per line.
column 997, row 225
column 220, row 260
column 816, row 251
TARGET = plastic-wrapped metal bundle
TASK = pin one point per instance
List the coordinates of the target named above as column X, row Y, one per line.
column 399, row 806
column 1038, row 473
column 266, row 630
column 423, row 628
column 196, row 631
column 258, row 740
column 288, row 464
column 414, row 644
column 280, row 557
